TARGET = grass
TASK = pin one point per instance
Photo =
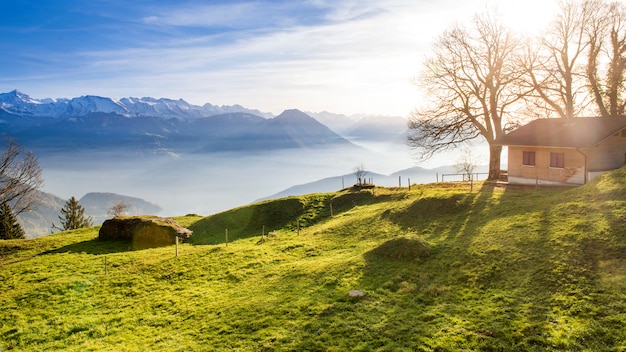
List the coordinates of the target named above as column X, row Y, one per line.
column 443, row 269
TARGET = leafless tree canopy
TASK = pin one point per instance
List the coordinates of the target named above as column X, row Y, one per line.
column 554, row 64
column 119, row 209
column 465, row 165
column 606, row 61
column 472, row 80
column 360, row 172
column 577, row 66
column 20, row 177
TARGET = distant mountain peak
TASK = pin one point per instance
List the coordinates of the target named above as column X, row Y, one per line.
column 18, row 103
column 15, row 96
column 293, row 114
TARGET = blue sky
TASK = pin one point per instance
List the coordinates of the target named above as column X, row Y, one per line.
column 343, row 56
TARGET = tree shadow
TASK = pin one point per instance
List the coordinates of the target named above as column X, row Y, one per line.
column 504, row 265
column 94, row 246
column 460, row 287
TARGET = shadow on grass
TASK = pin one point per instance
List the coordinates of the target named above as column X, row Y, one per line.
column 456, row 280
column 94, row 246
column 505, row 264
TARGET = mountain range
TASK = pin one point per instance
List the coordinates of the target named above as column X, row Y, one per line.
column 216, row 156
column 154, row 126
column 18, row 103
column 166, row 126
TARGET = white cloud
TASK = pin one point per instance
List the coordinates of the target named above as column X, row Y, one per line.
column 360, row 60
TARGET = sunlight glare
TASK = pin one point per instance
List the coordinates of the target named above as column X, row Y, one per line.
column 529, row 17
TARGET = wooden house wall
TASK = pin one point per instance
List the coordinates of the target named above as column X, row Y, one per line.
column 541, row 173
column 608, row 155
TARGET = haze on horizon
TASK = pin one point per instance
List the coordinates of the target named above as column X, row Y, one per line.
column 346, row 57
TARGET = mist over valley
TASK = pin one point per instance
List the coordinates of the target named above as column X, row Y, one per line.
column 192, row 159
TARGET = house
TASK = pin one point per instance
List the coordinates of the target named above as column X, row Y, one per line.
column 565, row 151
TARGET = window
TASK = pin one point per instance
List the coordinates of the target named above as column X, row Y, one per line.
column 528, row 158
column 557, row 160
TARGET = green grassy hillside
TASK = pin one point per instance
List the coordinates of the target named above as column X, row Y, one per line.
column 442, row 269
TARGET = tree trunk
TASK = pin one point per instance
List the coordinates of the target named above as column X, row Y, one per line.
column 495, row 152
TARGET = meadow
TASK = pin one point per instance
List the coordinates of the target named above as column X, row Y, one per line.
column 441, row 268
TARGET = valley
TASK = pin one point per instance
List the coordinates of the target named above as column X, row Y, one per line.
column 438, row 268
column 195, row 159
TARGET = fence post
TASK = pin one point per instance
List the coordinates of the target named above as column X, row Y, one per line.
column 399, row 181
column 536, row 182
column 176, row 246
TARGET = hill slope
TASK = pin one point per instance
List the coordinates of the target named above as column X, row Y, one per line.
column 441, row 268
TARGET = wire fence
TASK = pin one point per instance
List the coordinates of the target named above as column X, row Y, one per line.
column 476, row 176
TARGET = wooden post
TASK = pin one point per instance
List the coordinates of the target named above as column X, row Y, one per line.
column 226, row 237
column 409, row 184
column 298, row 227
column 437, row 177
column 399, row 181
column 176, row 246
column 342, row 184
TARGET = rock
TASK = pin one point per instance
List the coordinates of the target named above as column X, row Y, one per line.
column 356, row 293
column 143, row 232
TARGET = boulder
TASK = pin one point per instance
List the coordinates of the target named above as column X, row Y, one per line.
column 143, row 232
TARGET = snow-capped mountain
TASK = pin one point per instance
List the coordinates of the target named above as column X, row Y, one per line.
column 18, row 103
column 155, row 126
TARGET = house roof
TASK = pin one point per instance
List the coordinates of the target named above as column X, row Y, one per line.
column 572, row 133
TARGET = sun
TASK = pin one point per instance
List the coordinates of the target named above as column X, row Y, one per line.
column 529, row 17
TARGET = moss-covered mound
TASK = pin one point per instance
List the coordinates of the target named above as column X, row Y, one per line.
column 402, row 248
column 143, row 232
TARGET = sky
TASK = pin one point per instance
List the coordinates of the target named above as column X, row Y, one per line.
column 343, row 56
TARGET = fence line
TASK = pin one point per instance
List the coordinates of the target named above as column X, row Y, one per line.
column 473, row 176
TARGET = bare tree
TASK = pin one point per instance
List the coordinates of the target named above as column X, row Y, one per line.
column 555, row 63
column 359, row 172
column 20, row 178
column 473, row 82
column 466, row 164
column 606, row 62
column 119, row 209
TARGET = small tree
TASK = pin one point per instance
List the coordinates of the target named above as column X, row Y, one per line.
column 20, row 178
column 9, row 227
column 118, row 209
column 359, row 172
column 465, row 165
column 73, row 216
